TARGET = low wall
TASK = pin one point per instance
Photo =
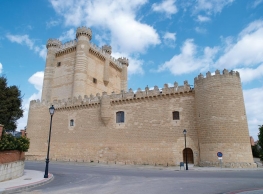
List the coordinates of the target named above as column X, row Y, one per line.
column 11, row 164
column 11, row 170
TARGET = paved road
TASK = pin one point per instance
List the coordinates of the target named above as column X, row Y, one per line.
column 116, row 179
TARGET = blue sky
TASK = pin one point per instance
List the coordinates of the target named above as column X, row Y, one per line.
column 165, row 41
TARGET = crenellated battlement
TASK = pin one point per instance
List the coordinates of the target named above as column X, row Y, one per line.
column 102, row 53
column 67, row 47
column 93, row 101
column 84, row 31
column 225, row 73
column 106, row 49
column 123, row 61
column 53, row 43
column 99, row 52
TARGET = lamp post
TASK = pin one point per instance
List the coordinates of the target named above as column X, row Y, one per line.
column 186, row 164
column 51, row 111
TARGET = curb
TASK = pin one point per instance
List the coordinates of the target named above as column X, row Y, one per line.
column 28, row 186
column 255, row 190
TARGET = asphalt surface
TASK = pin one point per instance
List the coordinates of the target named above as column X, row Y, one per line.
column 121, row 179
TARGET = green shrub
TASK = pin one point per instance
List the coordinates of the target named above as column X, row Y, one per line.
column 22, row 144
column 9, row 142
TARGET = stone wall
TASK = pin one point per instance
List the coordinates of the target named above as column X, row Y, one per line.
column 11, row 170
column 11, row 164
column 149, row 134
column 213, row 115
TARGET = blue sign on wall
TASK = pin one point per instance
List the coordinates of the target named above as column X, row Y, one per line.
column 220, row 154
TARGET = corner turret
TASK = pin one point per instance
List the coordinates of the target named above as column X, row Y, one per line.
column 106, row 76
column 124, row 61
column 83, row 31
column 106, row 49
column 124, row 74
column 53, row 43
column 83, row 35
column 52, row 46
column 221, row 119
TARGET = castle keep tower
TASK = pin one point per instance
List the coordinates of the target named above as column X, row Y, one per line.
column 79, row 68
column 221, row 119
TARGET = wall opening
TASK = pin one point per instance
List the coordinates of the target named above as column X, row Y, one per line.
column 176, row 115
column 120, row 117
column 190, row 155
column 71, row 122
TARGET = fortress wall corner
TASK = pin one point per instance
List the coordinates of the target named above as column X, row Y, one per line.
column 221, row 119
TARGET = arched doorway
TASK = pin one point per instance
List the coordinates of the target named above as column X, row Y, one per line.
column 190, row 155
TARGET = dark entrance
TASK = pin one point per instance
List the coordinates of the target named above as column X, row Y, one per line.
column 190, row 156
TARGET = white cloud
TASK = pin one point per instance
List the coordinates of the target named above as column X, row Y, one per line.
column 252, row 27
column 135, row 66
column 1, row 67
column 118, row 17
column 254, row 108
column 25, row 40
column 189, row 59
column 71, row 10
column 256, row 3
column 249, row 74
column 169, row 36
column 43, row 52
column 21, row 39
column 200, row 30
column 37, row 80
column 211, row 6
column 52, row 23
column 166, row 6
column 201, row 18
column 248, row 49
column 68, row 35
column 169, row 39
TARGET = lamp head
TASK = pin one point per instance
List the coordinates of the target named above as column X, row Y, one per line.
column 52, row 110
column 184, row 131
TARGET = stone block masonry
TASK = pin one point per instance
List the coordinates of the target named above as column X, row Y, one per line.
column 98, row 120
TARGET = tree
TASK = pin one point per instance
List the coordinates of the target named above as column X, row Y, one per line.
column 260, row 142
column 10, row 104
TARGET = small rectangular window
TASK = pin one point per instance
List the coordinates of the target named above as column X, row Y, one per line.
column 176, row 115
column 120, row 117
column 71, row 123
column 94, row 80
column 58, row 64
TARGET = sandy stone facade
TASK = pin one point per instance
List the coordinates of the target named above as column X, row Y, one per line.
column 103, row 122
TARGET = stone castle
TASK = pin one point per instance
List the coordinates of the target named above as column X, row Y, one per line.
column 98, row 120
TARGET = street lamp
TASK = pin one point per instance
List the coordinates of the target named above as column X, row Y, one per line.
column 186, row 164
column 51, row 111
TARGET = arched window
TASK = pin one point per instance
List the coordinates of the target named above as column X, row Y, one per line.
column 71, row 122
column 120, row 117
column 176, row 115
